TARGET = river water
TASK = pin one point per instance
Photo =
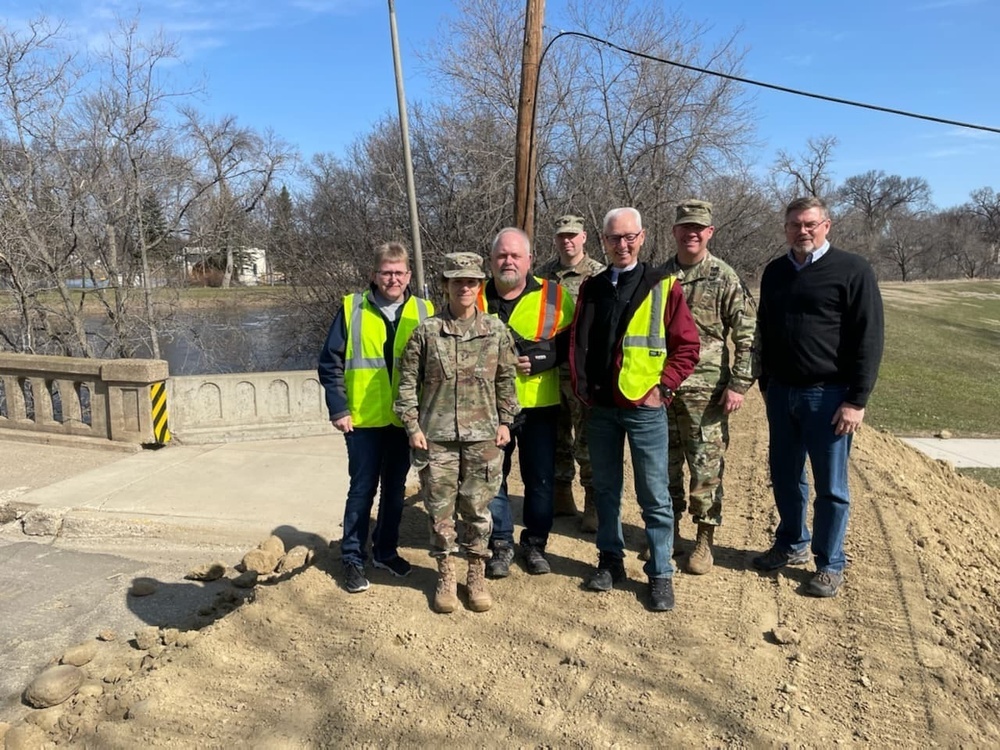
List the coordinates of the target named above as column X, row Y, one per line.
column 244, row 340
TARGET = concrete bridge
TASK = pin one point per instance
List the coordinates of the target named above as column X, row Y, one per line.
column 93, row 495
column 232, row 455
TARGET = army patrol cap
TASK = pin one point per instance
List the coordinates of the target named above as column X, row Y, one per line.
column 694, row 211
column 569, row 224
column 463, row 266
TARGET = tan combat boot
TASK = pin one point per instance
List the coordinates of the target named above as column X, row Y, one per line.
column 588, row 522
column 565, row 503
column 446, row 595
column 701, row 559
column 479, row 596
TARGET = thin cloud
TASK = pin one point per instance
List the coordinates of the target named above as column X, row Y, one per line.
column 946, row 4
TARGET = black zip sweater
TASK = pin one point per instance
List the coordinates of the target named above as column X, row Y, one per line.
column 820, row 325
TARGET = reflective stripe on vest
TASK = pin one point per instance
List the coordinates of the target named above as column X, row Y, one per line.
column 644, row 348
column 538, row 316
column 366, row 377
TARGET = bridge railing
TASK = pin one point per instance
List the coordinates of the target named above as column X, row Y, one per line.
column 81, row 399
column 68, row 399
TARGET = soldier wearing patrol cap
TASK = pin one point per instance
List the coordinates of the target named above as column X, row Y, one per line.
column 457, row 401
column 698, row 416
column 569, row 268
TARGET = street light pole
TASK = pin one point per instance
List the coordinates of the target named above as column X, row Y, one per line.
column 418, row 261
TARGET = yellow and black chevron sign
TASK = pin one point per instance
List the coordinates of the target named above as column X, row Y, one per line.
column 158, row 394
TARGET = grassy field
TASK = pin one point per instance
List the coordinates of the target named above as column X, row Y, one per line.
column 941, row 369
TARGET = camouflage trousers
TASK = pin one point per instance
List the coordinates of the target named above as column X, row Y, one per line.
column 699, row 436
column 571, row 437
column 460, row 479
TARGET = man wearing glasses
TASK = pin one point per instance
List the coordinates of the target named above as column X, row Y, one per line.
column 633, row 343
column 699, row 413
column 819, row 344
column 357, row 367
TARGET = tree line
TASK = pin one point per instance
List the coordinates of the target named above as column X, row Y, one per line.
column 109, row 175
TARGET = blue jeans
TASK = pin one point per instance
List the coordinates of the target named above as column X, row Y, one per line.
column 536, row 443
column 374, row 455
column 646, row 430
column 799, row 421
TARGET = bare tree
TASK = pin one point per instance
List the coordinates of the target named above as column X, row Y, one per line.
column 807, row 173
column 877, row 198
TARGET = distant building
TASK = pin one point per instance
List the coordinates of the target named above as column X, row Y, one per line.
column 250, row 266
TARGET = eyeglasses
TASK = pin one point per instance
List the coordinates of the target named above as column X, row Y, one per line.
column 809, row 226
column 614, row 239
column 393, row 274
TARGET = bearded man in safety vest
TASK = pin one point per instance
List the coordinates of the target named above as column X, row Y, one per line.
column 633, row 343
column 538, row 313
column 357, row 368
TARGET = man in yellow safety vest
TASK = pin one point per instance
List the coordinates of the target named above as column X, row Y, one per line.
column 357, row 368
column 633, row 344
column 538, row 313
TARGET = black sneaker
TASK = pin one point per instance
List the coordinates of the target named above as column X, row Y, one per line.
column 397, row 566
column 534, row 559
column 661, row 594
column 610, row 570
column 776, row 558
column 498, row 566
column 825, row 583
column 354, row 579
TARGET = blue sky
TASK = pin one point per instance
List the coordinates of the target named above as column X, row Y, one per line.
column 319, row 72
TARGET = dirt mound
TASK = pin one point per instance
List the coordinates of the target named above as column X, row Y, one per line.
column 905, row 656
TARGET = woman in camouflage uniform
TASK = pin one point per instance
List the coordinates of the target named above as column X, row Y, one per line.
column 457, row 401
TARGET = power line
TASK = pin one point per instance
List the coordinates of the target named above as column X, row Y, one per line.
column 772, row 86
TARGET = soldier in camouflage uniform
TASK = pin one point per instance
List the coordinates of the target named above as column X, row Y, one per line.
column 569, row 268
column 723, row 308
column 457, row 402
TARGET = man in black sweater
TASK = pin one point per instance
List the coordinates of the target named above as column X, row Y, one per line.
column 819, row 345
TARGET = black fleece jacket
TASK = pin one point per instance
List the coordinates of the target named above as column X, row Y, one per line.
column 820, row 325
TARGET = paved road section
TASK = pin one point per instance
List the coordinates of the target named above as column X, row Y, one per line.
column 193, row 494
column 962, row 453
column 104, row 519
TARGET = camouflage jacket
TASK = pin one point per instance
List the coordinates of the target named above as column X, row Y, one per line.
column 570, row 279
column 722, row 307
column 458, row 386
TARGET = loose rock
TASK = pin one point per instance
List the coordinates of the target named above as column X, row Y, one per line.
column 260, row 561
column 80, row 654
column 246, row 579
column 142, row 587
column 107, row 635
column 212, row 571
column 24, row 737
column 146, row 638
column 54, row 685
column 785, row 636
column 295, row 558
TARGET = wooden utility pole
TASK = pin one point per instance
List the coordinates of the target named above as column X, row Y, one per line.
column 524, row 162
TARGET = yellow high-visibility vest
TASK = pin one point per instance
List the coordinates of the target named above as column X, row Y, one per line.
column 538, row 316
column 644, row 349
column 366, row 376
